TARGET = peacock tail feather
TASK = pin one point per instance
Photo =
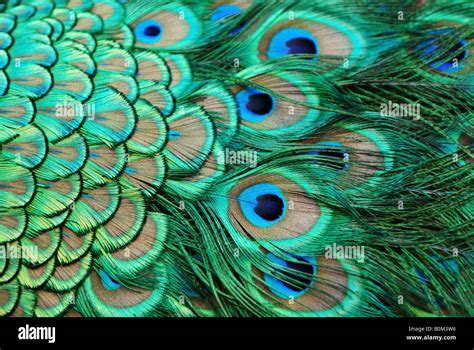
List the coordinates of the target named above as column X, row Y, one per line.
column 236, row 158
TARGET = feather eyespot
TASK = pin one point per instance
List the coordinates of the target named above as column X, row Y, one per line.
column 168, row 26
column 148, row 31
column 435, row 54
column 293, row 278
column 263, row 204
column 332, row 154
column 255, row 105
column 446, row 64
column 291, row 41
column 318, row 37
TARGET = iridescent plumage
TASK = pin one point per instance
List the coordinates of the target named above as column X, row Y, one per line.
column 224, row 158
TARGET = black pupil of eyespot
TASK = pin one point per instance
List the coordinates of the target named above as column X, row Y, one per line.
column 334, row 158
column 446, row 56
column 460, row 54
column 260, row 103
column 238, row 28
column 298, row 276
column 269, row 207
column 152, row 30
column 301, row 46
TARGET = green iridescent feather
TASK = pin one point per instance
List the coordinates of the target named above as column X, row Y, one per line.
column 236, row 158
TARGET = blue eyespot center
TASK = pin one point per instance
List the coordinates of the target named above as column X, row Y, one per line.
column 421, row 276
column 149, row 31
column 224, row 11
column 294, row 278
column 108, row 282
column 290, row 41
column 255, row 105
column 238, row 28
column 449, row 265
column 174, row 134
column 332, row 155
column 438, row 58
column 335, row 158
column 130, row 171
column 263, row 204
column 456, row 48
column 301, row 46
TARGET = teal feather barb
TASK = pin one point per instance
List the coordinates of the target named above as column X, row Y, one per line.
column 236, row 158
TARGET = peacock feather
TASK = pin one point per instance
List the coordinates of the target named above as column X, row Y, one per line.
column 236, row 158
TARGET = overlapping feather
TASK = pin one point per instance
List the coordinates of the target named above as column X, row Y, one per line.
column 210, row 158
